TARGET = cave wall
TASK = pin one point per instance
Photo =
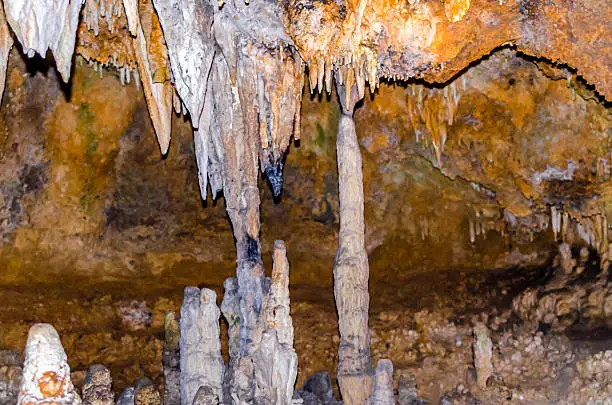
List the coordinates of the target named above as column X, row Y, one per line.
column 456, row 177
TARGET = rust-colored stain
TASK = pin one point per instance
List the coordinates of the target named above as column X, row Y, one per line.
column 50, row 385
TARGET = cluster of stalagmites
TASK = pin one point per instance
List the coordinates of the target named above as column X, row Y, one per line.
column 262, row 368
column 578, row 290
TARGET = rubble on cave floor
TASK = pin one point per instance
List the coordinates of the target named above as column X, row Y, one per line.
column 428, row 333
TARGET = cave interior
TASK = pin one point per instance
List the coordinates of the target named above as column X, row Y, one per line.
column 318, row 202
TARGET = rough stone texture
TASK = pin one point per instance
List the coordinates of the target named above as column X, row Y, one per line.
column 483, row 353
column 126, row 397
column 145, row 392
column 97, row 389
column 383, row 387
column 172, row 359
column 11, row 374
column 46, row 374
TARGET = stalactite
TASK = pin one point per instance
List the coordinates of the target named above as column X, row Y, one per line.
column 171, row 359
column 6, row 43
column 351, row 271
column 97, row 388
column 187, row 30
column 40, row 25
column 200, row 348
column 46, row 374
column 157, row 94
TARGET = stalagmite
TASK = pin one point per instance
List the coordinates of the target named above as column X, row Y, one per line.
column 40, row 25
column 126, row 397
column 145, row 392
column 483, row 353
column 97, row 389
column 351, row 270
column 383, row 389
column 46, row 374
column 171, row 360
column 276, row 361
column 200, row 348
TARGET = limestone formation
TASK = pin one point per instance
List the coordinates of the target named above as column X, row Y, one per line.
column 187, row 30
column 126, row 397
column 383, row 388
column 483, row 353
column 206, row 396
column 97, row 389
column 200, row 348
column 145, row 392
column 320, row 385
column 276, row 360
column 171, row 359
column 6, row 43
column 11, row 375
column 351, row 269
column 46, row 25
column 46, row 374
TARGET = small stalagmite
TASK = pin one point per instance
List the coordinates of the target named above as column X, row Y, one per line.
column 200, row 348
column 46, row 374
column 383, row 388
column 97, row 388
column 483, row 353
column 126, row 397
column 171, row 359
column 145, row 392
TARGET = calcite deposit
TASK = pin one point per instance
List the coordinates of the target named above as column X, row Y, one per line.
column 454, row 139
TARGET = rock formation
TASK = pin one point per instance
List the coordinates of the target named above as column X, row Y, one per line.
column 201, row 362
column 46, row 374
column 97, row 389
column 235, row 70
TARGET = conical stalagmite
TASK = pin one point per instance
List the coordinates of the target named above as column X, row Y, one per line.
column 351, row 269
column 201, row 361
column 171, row 359
column 97, row 388
column 46, row 374
column 40, row 25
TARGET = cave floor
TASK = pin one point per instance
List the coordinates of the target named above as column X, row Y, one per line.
column 421, row 322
